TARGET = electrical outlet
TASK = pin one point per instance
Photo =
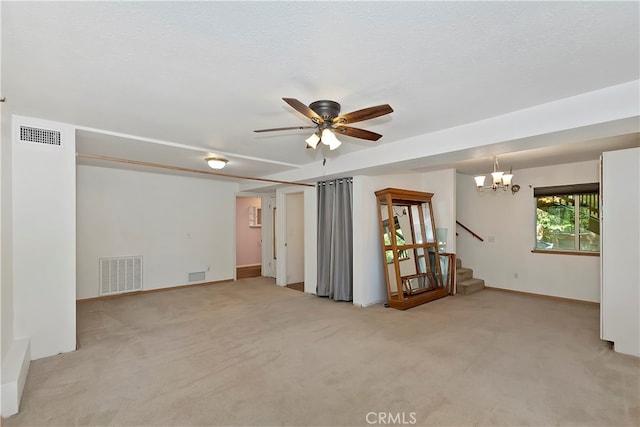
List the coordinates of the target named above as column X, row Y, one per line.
column 515, row 275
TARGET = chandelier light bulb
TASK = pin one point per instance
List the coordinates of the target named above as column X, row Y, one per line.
column 328, row 138
column 497, row 177
column 313, row 140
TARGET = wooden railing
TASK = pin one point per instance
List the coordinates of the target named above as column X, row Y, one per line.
column 469, row 230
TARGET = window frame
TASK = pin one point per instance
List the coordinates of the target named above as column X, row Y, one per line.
column 574, row 190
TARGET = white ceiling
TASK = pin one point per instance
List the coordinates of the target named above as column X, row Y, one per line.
column 170, row 82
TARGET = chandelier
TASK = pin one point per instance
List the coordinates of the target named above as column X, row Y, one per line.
column 498, row 179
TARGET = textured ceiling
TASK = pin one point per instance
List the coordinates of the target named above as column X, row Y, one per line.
column 201, row 76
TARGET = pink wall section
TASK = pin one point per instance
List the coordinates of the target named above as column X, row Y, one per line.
column 248, row 249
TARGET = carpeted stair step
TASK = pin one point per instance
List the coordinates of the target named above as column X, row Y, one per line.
column 463, row 274
column 470, row 286
column 466, row 284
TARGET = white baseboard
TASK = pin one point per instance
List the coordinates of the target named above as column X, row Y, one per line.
column 15, row 367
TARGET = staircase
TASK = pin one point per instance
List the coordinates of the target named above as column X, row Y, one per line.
column 466, row 284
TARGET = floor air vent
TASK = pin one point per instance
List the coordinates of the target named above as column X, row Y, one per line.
column 119, row 275
column 40, row 136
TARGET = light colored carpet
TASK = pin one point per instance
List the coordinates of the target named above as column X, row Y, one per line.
column 252, row 353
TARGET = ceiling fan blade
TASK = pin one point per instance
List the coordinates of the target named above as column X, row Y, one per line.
column 289, row 128
column 364, row 114
column 300, row 107
column 357, row 133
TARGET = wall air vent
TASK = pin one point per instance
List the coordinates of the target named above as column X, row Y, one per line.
column 198, row 276
column 40, row 136
column 120, row 275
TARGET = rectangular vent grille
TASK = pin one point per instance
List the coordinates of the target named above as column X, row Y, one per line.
column 40, row 136
column 119, row 275
column 197, row 277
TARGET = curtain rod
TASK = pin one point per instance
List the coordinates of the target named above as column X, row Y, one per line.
column 177, row 168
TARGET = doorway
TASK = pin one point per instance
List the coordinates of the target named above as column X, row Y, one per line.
column 294, row 239
column 248, row 237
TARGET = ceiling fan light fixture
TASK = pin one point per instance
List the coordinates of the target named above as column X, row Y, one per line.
column 328, row 138
column 313, row 141
column 216, row 162
column 326, row 118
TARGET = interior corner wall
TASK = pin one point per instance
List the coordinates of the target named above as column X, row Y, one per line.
column 178, row 224
column 507, row 224
column 44, row 239
column 369, row 282
column 248, row 238
column 620, row 247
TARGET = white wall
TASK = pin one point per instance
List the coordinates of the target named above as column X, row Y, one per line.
column 369, row 285
column 620, row 305
column 44, row 240
column 6, row 259
column 178, row 224
column 509, row 220
column 6, row 291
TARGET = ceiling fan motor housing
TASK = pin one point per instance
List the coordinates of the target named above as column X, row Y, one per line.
column 328, row 110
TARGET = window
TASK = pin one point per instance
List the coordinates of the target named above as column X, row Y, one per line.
column 568, row 218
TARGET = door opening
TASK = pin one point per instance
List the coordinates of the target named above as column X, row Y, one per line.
column 294, row 240
column 248, row 237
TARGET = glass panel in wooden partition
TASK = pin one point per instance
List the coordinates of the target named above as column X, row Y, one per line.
column 447, row 263
column 418, row 225
column 392, row 283
column 428, row 222
column 401, row 224
column 434, row 264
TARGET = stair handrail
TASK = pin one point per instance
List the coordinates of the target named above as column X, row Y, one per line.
column 470, row 231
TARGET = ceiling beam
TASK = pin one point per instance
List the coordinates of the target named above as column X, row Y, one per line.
column 181, row 169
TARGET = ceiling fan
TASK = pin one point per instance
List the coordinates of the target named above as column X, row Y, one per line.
column 327, row 121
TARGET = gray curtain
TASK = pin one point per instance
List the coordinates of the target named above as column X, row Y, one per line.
column 335, row 239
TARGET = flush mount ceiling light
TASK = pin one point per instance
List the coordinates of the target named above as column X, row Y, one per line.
column 216, row 162
column 498, row 179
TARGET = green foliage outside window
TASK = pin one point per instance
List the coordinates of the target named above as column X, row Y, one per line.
column 556, row 222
